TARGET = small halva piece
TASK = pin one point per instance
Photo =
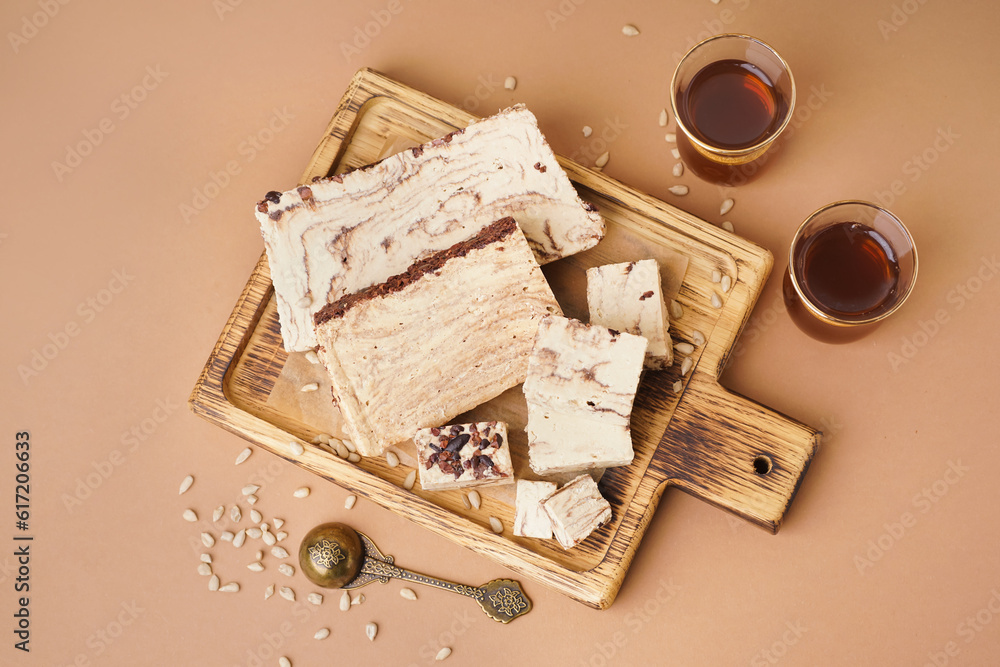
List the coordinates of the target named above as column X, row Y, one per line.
column 576, row 510
column 530, row 519
column 463, row 455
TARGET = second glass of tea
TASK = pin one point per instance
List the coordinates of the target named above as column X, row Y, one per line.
column 732, row 96
column 850, row 266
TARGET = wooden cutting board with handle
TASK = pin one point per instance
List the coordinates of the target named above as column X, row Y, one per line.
column 688, row 431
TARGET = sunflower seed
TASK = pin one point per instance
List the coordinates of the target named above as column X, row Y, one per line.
column 250, row 489
column 716, row 301
column 684, row 348
column 219, row 511
column 322, row 633
column 206, row 558
column 296, row 448
column 350, row 446
column 304, row 302
column 244, row 455
column 252, row 499
column 204, row 569
column 663, row 118
column 287, row 593
column 186, row 484
column 315, row 598
column 284, row 662
column 269, row 591
column 728, row 226
column 239, row 538
column 280, row 535
column 370, row 631
column 727, row 283
column 410, row 479
column 312, row 357
column 260, row 554
column 391, row 459
column 342, row 450
column 678, row 386
column 231, row 587
column 264, row 527
column 602, row 159
column 256, row 567
column 407, row 593
column 678, row 170
column 716, row 276
column 676, row 310
column 235, row 514
column 254, row 533
column 727, row 206
column 301, row 492
column 213, row 583
column 278, row 523
column 310, row 386
column 286, row 569
column 496, row 525
column 279, row 552
column 475, row 499
column 269, row 538
column 679, row 190
column 510, row 83
column 255, row 516
column 465, row 501
column 226, row 536
column 208, row 540
column 676, row 154
column 443, row 654
column 686, row 366
column 354, row 457
column 345, row 601
column 587, row 130
column 629, row 30
column 189, row 515
column 697, row 337
column 671, row 137
column 349, row 502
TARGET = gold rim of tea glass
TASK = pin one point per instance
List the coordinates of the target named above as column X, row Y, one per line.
column 823, row 315
column 730, row 155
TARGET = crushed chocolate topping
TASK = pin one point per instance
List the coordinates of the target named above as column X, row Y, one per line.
column 492, row 233
column 275, row 214
column 541, row 167
column 590, row 207
column 646, row 295
column 417, row 151
column 273, row 196
column 262, row 206
column 305, row 192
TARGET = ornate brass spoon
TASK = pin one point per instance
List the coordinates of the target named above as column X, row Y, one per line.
column 334, row 555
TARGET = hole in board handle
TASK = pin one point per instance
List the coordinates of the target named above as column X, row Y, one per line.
column 762, row 465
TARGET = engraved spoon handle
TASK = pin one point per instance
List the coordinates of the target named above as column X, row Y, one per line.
column 380, row 568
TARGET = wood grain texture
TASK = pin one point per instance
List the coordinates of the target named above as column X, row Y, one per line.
column 704, row 440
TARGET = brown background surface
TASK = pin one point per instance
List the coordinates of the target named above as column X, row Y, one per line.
column 889, row 554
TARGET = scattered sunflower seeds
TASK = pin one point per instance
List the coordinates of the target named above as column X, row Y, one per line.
column 226, row 536
column 315, row 598
column 465, row 501
column 349, row 502
column 278, row 523
column 235, row 514
column 370, row 631
column 295, row 447
column 190, row 515
column 239, row 538
column 716, row 301
column 663, row 118
column 407, row 593
column 727, row 283
column 671, row 137
column 678, row 170
column 728, row 226
column 475, row 499
column 231, row 587
column 243, row 456
column 602, row 159
column 310, row 386
column 354, row 457
column 350, row 446
column 678, row 386
column 213, row 583
column 280, row 535
column 301, row 492
column 206, row 558
column 286, row 569
column 250, row 489
column 260, row 554
column 269, row 538
column 358, row 599
column 727, row 206
column 219, row 511
column 342, row 450
column 323, row 438
column 587, row 130
column 208, row 540
column 252, row 499
column 204, row 569
column 345, row 601
column 411, row 478
column 256, row 567
column 279, row 552
column 686, row 366
column 186, row 484
column 322, row 633
column 254, row 533
column 255, row 516
column 510, row 83
column 312, row 357
column 284, row 662
column 676, row 310
column 675, row 153
column 391, row 459
column 716, row 276
column 679, row 190
column 287, row 593
column 269, row 591
column 496, row 525
column 443, row 654
column 684, row 348
column 629, row 30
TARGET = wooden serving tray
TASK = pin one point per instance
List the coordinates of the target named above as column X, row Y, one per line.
column 710, row 442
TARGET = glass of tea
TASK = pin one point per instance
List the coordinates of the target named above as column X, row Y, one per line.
column 851, row 265
column 732, row 96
